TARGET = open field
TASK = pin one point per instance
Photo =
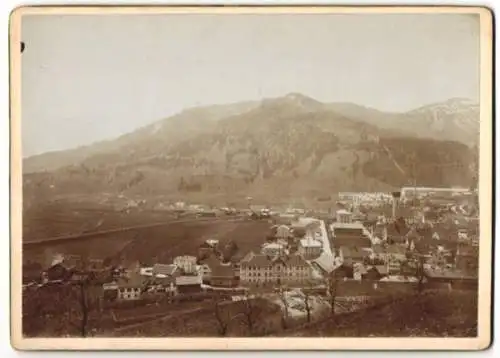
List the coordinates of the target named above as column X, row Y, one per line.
column 155, row 244
column 64, row 218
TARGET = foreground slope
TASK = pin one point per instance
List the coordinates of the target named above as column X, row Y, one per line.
column 434, row 314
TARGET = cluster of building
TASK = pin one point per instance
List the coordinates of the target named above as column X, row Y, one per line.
column 385, row 248
column 360, row 198
column 299, row 251
column 423, row 192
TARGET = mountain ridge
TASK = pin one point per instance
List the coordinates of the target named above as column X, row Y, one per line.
column 195, row 117
column 290, row 146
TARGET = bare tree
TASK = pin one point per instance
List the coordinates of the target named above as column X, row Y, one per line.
column 88, row 284
column 249, row 311
column 283, row 298
column 221, row 316
column 307, row 295
column 84, row 306
column 332, row 281
column 420, row 272
column 89, row 300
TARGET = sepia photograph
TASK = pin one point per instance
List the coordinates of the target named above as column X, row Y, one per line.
column 200, row 178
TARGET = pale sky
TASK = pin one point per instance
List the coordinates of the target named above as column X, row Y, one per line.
column 95, row 77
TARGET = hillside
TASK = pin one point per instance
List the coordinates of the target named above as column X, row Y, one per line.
column 285, row 148
column 157, row 135
column 456, row 119
column 443, row 314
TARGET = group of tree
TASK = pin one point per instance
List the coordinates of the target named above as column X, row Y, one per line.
column 330, row 282
column 69, row 303
column 251, row 312
column 62, row 309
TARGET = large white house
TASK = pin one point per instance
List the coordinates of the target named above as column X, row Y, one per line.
column 259, row 269
column 186, row 263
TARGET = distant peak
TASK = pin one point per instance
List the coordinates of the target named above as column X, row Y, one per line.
column 460, row 100
column 301, row 100
column 452, row 104
column 293, row 100
column 295, row 96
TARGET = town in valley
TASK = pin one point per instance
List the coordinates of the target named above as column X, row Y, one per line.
column 264, row 271
column 251, row 175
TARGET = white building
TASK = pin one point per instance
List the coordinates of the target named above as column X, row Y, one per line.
column 167, row 270
column 258, row 269
column 131, row 287
column 129, row 293
column 310, row 247
column 272, row 249
column 187, row 264
column 344, row 216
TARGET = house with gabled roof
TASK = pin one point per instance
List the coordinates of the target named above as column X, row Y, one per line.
column 375, row 272
column 131, row 287
column 165, row 269
column 223, row 276
column 259, row 269
column 189, row 283
column 165, row 274
column 206, row 266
